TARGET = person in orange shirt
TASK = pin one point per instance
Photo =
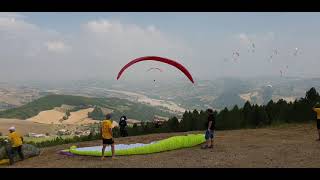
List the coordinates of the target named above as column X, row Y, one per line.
column 106, row 133
column 16, row 144
column 316, row 108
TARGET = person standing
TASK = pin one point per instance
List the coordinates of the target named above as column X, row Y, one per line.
column 209, row 135
column 16, row 144
column 123, row 125
column 316, row 108
column 106, row 133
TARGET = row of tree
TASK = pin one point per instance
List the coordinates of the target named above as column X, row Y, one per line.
column 249, row 116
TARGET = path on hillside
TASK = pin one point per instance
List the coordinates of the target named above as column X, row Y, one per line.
column 288, row 146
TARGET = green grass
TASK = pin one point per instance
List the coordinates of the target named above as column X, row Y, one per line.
column 43, row 139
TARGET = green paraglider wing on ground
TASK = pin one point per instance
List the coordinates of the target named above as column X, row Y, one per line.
column 172, row 143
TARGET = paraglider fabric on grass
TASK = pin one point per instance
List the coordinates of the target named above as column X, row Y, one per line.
column 172, row 143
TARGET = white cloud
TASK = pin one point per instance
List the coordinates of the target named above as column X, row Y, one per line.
column 99, row 48
column 114, row 43
column 13, row 24
column 56, row 46
column 128, row 40
column 12, row 15
column 244, row 38
column 101, row 26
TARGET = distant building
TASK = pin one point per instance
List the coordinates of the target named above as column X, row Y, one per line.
column 159, row 120
column 36, row 135
column 131, row 122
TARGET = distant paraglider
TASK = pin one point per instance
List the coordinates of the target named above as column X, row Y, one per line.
column 296, row 52
column 274, row 53
column 159, row 59
column 253, row 47
column 235, row 55
column 154, row 68
column 270, row 58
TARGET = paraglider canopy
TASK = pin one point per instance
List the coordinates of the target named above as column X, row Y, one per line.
column 160, row 59
column 296, row 51
column 154, row 68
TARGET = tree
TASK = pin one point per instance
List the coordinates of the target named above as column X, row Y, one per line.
column 202, row 121
column 96, row 114
column 173, row 124
column 186, row 122
column 270, row 110
column 262, row 116
column 312, row 96
column 68, row 113
column 247, row 115
column 221, row 119
column 195, row 120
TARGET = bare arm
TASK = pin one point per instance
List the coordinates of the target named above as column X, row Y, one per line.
column 209, row 125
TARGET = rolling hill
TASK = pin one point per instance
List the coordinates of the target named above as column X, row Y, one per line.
column 118, row 106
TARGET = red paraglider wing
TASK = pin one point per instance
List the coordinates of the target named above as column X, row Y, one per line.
column 160, row 59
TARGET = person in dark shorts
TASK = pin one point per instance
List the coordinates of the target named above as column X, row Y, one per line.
column 106, row 133
column 209, row 135
column 316, row 108
column 123, row 125
column 16, row 145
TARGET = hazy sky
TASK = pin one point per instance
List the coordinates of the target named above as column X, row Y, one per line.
column 55, row 46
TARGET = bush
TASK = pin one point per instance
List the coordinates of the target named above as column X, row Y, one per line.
column 59, row 140
column 96, row 114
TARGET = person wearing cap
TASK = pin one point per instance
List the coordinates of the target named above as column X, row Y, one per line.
column 123, row 124
column 16, row 143
column 316, row 108
column 106, row 133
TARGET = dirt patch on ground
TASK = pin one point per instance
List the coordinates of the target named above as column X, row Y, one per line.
column 55, row 116
column 80, row 117
column 48, row 117
column 286, row 146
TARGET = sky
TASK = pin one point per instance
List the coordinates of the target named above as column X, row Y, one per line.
column 53, row 47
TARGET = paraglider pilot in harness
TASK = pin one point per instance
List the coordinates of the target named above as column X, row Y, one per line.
column 123, row 125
